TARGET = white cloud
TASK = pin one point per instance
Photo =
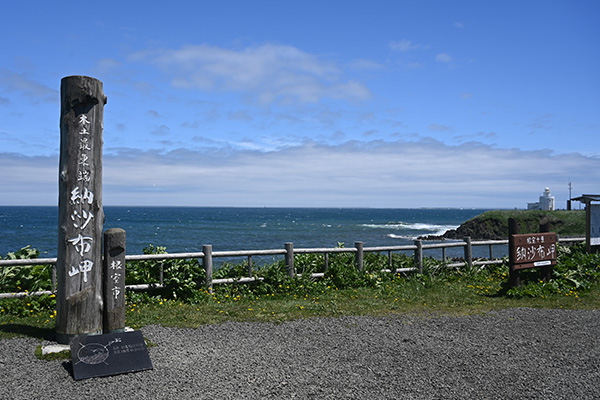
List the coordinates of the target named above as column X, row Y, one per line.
column 23, row 84
column 240, row 115
column 367, row 65
column 423, row 172
column 439, row 127
column 267, row 73
column 28, row 180
column 161, row 130
column 403, row 45
column 106, row 65
column 443, row 57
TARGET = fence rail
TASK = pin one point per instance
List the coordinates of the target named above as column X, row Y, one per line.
column 207, row 256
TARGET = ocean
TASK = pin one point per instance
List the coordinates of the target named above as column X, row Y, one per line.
column 186, row 229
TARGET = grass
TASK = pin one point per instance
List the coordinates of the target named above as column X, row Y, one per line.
column 564, row 223
column 363, row 301
column 437, row 291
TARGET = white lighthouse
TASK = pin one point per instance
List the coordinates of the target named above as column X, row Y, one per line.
column 546, row 202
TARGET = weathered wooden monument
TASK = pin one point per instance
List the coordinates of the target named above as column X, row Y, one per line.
column 90, row 295
column 79, row 302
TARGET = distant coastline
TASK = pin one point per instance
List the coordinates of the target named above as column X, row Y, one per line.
column 493, row 225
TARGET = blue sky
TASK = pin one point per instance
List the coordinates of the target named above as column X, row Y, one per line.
column 310, row 103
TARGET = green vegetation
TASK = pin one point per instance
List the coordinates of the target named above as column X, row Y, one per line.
column 494, row 224
column 25, row 278
column 342, row 291
column 564, row 223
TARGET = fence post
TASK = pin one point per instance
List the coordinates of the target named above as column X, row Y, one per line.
column 80, row 214
column 53, row 278
column 326, row 259
column 359, row 255
column 207, row 263
column 513, row 229
column 114, row 280
column 419, row 255
column 468, row 251
column 491, row 252
column 289, row 259
column 545, row 272
column 161, row 273
column 250, row 266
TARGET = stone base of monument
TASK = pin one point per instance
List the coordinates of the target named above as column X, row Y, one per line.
column 54, row 348
column 57, row 348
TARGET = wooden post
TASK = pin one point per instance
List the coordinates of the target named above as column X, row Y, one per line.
column 326, row 260
column 513, row 229
column 545, row 272
column 289, row 259
column 161, row 274
column 80, row 214
column 359, row 255
column 53, row 278
column 250, row 266
column 114, row 280
column 588, row 226
column 207, row 262
column 419, row 255
column 468, row 251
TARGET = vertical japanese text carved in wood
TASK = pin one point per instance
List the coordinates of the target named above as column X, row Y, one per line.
column 81, row 218
column 114, row 280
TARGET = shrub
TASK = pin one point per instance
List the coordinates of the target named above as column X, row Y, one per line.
column 25, row 278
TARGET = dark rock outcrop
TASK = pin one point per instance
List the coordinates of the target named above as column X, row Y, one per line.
column 479, row 229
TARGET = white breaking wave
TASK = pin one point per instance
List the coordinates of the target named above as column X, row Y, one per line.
column 431, row 229
column 391, row 235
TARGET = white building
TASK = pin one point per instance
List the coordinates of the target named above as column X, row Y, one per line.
column 546, row 202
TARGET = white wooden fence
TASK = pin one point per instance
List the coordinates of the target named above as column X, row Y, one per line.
column 207, row 255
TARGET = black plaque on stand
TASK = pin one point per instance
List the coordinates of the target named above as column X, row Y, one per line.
column 110, row 354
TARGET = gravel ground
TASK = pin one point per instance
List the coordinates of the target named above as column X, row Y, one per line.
column 510, row 354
